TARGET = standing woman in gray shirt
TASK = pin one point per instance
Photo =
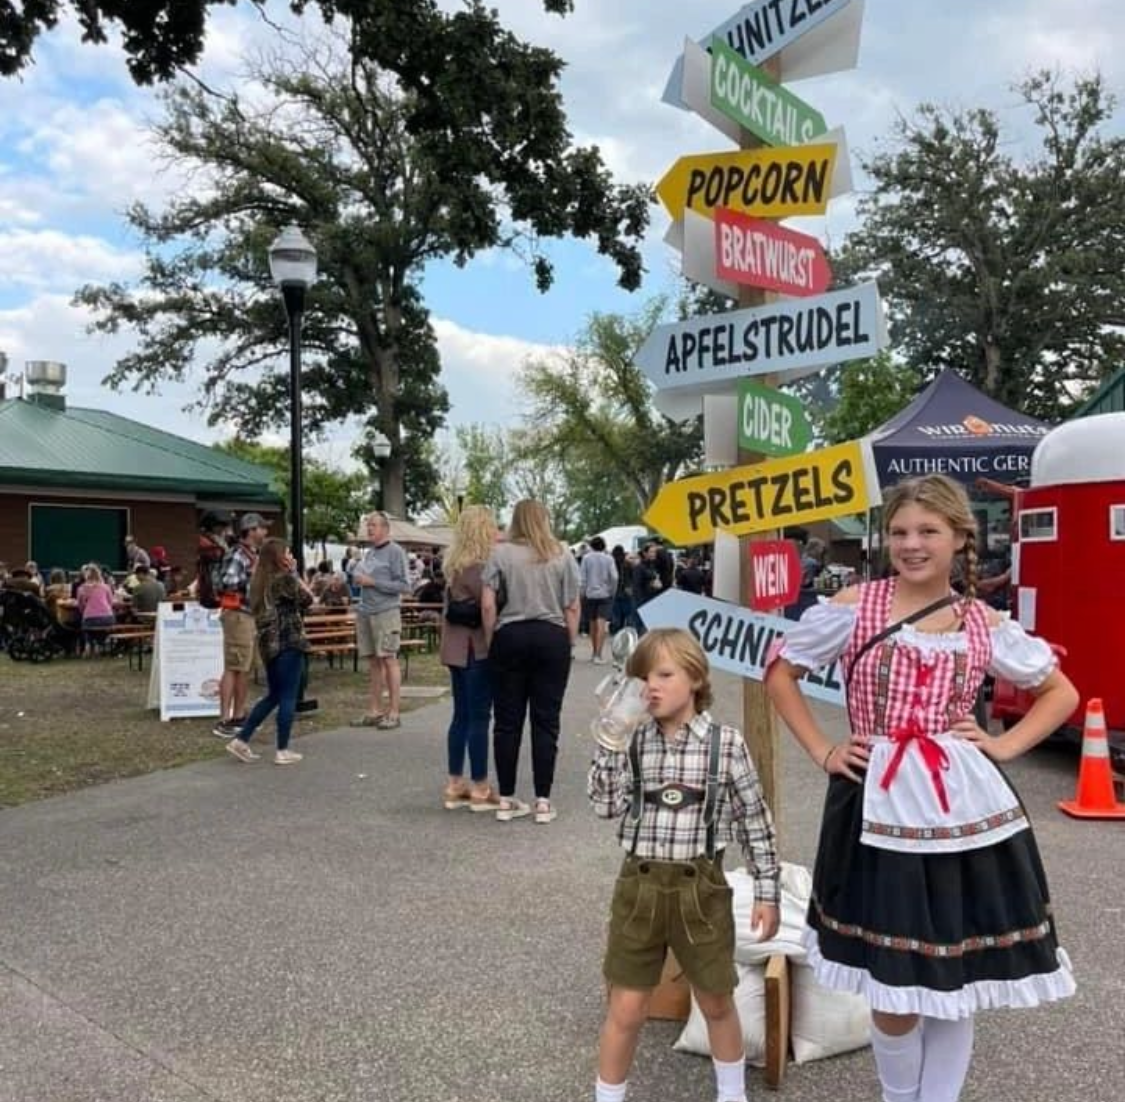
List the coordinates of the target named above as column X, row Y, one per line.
column 530, row 633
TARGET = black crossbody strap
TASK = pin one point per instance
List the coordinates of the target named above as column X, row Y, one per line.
column 711, row 799
column 886, row 633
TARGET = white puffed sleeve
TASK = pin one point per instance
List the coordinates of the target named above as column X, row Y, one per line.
column 1018, row 657
column 819, row 637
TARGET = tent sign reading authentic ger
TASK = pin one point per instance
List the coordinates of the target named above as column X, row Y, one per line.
column 774, row 183
column 754, row 100
column 818, row 485
column 735, row 639
column 773, row 339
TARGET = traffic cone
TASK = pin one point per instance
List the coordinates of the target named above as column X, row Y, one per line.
column 1094, row 798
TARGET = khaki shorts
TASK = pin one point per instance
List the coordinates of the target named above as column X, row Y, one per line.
column 239, row 640
column 685, row 906
column 377, row 634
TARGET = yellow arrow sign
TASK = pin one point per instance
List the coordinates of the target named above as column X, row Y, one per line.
column 766, row 183
column 831, row 482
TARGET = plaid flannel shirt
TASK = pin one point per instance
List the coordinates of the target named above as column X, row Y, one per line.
column 680, row 835
column 238, row 565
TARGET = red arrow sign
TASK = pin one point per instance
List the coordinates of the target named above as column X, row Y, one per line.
column 759, row 253
column 776, row 570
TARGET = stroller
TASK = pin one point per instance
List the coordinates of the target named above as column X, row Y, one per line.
column 27, row 630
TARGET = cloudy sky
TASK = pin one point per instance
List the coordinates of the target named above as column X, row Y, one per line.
column 74, row 155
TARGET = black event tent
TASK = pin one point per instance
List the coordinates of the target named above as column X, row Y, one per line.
column 952, row 428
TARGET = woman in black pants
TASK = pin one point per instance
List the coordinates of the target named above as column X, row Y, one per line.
column 529, row 605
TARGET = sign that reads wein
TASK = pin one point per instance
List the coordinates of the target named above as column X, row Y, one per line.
column 779, row 337
column 735, row 639
column 754, row 100
column 771, row 422
column 775, row 570
column 757, row 253
column 774, row 183
column 831, row 482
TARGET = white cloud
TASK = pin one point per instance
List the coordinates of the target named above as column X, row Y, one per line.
column 41, row 260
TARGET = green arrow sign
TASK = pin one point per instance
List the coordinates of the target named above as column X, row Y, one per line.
column 770, row 422
column 753, row 99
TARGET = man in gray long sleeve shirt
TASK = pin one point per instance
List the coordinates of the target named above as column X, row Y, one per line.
column 599, row 585
column 382, row 580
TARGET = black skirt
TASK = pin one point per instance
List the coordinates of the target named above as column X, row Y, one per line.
column 940, row 934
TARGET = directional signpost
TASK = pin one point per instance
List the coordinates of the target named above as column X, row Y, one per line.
column 735, row 639
column 757, row 253
column 798, row 489
column 775, row 568
column 771, row 422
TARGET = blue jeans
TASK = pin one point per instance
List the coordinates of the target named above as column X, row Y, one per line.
column 472, row 706
column 283, row 677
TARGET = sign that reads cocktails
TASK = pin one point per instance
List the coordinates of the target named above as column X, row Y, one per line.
column 818, row 485
column 757, row 253
column 774, row 183
column 780, row 337
column 754, row 100
column 771, row 422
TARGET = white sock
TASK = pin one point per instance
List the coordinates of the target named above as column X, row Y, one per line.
column 730, row 1080
column 610, row 1092
column 899, row 1061
column 947, row 1048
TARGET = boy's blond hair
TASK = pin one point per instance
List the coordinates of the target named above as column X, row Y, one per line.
column 682, row 649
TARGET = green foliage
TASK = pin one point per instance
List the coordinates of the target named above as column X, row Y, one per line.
column 591, row 412
column 485, row 467
column 1012, row 272
column 870, row 393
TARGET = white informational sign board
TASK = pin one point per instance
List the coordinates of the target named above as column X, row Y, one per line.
column 187, row 660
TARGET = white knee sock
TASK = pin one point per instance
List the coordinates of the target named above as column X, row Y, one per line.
column 610, row 1092
column 899, row 1060
column 947, row 1048
column 730, row 1080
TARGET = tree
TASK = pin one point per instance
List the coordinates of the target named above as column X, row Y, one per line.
column 331, row 148
column 870, row 393
column 485, row 465
column 593, row 406
column 1013, row 273
column 334, row 499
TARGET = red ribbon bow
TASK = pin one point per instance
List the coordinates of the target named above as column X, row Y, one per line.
column 936, row 759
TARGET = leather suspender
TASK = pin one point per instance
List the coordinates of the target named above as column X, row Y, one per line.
column 711, row 792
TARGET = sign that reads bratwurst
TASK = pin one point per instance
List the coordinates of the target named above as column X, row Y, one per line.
column 772, row 183
column 757, row 253
column 832, row 482
column 791, row 336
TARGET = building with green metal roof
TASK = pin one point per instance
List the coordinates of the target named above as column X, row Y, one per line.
column 74, row 481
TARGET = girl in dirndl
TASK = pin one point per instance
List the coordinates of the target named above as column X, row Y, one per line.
column 929, row 896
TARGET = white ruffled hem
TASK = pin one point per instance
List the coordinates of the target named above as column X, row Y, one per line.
column 949, row 1005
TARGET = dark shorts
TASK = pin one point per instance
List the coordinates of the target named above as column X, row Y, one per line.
column 599, row 608
column 685, row 906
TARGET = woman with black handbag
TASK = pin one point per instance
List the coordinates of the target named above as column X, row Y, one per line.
column 465, row 652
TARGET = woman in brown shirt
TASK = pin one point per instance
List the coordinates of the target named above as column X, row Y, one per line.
column 465, row 651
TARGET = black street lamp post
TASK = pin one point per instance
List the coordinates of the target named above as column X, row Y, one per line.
column 293, row 268
column 381, row 450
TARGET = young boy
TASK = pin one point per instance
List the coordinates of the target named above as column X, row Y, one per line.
column 697, row 791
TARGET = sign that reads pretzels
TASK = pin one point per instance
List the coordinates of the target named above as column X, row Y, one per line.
column 735, row 639
column 771, row 183
column 832, row 482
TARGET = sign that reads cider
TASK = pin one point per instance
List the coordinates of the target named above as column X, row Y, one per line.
column 757, row 253
column 770, row 422
column 754, row 100
column 832, row 482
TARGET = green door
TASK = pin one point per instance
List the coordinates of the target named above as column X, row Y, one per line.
column 68, row 536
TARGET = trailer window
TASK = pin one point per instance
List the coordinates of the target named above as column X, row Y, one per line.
column 1039, row 525
column 1117, row 522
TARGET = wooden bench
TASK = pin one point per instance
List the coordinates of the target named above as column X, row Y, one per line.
column 132, row 639
column 332, row 645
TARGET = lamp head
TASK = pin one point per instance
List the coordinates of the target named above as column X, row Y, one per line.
column 292, row 258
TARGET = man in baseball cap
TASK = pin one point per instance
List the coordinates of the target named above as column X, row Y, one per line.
column 250, row 521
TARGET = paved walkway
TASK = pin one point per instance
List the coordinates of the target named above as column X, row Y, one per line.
column 328, row 932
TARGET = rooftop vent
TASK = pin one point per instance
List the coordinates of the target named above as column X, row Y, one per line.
column 46, row 381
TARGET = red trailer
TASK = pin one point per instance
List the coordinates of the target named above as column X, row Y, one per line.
column 1068, row 565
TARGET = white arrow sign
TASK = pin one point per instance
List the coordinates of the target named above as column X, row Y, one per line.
column 793, row 30
column 735, row 639
column 790, row 338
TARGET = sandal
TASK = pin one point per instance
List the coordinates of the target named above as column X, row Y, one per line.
column 389, row 723
column 455, row 796
column 484, row 799
column 369, row 720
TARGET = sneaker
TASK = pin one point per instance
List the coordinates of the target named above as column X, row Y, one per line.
column 544, row 812
column 510, row 808
column 241, row 750
column 226, row 728
column 287, row 757
column 455, row 796
column 598, row 660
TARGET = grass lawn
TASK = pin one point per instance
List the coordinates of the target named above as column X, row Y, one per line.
column 69, row 723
